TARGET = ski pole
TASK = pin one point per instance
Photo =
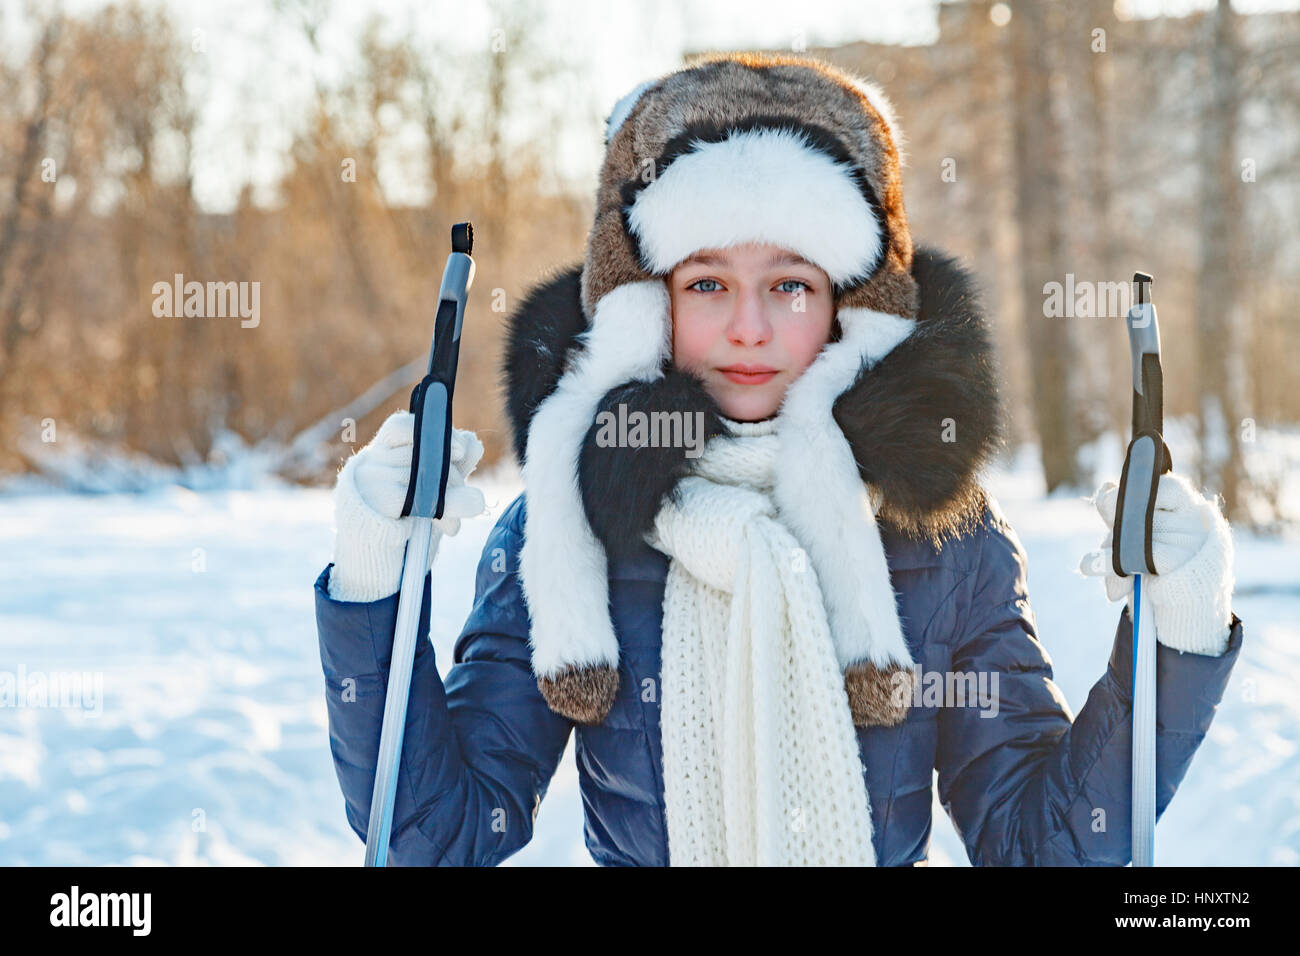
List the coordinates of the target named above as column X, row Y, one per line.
column 1145, row 460
column 425, row 498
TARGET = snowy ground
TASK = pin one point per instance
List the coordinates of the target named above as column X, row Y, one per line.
column 209, row 743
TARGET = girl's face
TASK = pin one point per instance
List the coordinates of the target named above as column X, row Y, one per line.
column 749, row 308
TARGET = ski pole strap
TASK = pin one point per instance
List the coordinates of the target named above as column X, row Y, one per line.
column 1147, row 456
column 1135, row 506
column 430, row 458
column 431, row 398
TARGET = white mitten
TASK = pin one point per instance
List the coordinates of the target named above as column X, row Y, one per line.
column 1191, row 544
column 370, row 534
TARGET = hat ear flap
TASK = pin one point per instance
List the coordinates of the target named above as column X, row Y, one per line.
column 822, row 498
column 563, row 565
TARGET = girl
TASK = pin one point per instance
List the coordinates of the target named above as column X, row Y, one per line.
column 740, row 638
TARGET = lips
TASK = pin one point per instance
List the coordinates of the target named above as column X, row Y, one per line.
column 749, row 374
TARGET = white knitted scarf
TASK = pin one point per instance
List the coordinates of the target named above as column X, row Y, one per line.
column 760, row 755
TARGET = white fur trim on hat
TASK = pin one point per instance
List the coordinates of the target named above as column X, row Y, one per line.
column 761, row 185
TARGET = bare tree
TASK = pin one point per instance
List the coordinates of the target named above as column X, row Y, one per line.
column 1222, row 319
column 1092, row 228
column 1040, row 213
column 23, row 242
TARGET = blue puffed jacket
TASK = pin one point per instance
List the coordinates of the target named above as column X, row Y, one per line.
column 1022, row 787
column 1023, row 782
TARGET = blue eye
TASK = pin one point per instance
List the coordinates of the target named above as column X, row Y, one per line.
column 698, row 281
column 796, row 282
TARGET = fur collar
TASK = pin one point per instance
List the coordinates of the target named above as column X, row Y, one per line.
column 939, row 383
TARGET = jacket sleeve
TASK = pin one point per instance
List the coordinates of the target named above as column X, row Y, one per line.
column 478, row 752
column 1034, row 786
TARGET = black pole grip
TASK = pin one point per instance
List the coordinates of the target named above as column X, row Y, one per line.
column 426, row 489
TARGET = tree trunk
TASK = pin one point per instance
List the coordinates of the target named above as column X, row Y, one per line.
column 1039, row 217
column 1221, row 324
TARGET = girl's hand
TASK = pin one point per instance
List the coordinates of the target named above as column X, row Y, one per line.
column 370, row 534
column 1191, row 544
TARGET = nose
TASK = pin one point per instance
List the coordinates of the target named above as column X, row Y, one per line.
column 749, row 325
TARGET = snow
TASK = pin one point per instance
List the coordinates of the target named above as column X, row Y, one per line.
column 209, row 743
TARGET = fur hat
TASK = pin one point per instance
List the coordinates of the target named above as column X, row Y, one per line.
column 747, row 148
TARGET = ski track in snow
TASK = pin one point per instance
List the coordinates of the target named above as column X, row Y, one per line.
column 210, row 744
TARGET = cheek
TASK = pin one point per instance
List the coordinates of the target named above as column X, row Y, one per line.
column 693, row 335
column 804, row 339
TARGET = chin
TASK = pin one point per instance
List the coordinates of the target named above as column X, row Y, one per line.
column 749, row 409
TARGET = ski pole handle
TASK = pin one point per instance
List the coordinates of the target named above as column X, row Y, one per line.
column 1148, row 376
column 431, row 398
column 1147, row 456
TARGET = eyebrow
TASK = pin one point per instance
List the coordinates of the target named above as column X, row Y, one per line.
column 776, row 259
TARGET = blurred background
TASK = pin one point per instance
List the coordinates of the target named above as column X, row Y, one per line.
column 164, row 479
